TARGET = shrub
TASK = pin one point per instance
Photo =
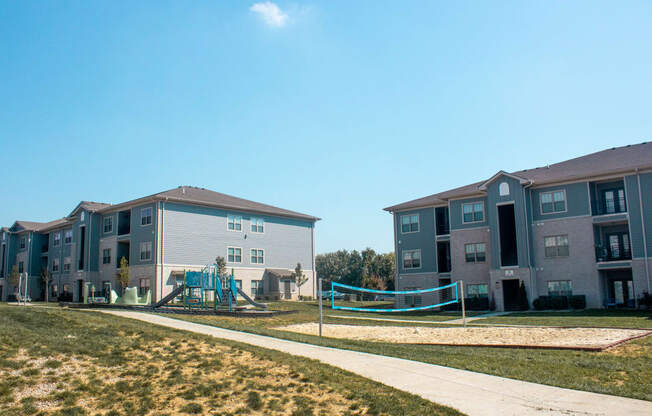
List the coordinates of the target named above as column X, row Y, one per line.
column 577, row 302
column 254, row 401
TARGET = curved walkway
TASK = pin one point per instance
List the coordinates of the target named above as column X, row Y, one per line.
column 469, row 392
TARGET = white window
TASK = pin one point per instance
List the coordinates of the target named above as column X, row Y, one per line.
column 67, row 237
column 411, row 259
column 503, row 189
column 257, row 256
column 477, row 290
column 146, row 250
column 55, row 265
column 256, row 288
column 57, row 239
column 409, row 223
column 473, row 212
column 238, row 284
column 143, row 286
column 22, row 243
column 475, row 252
column 234, row 254
column 66, row 264
column 556, row 246
column 257, row 225
column 234, row 222
column 108, row 224
column 560, row 288
column 82, row 216
column 106, row 256
column 146, row 216
column 552, row 202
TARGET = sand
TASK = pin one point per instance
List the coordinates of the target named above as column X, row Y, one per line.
column 503, row 336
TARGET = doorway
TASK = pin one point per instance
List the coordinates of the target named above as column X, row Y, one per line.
column 80, row 290
column 510, row 294
column 443, row 256
column 507, row 231
column 287, row 289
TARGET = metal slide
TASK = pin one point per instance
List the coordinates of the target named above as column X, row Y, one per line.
column 176, row 292
column 248, row 299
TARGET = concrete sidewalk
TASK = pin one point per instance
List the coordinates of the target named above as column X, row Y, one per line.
column 469, row 392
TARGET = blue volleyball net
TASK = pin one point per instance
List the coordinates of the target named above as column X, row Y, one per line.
column 448, row 295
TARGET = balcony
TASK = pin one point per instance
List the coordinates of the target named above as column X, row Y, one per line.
column 608, row 198
column 605, row 254
column 613, row 205
column 612, row 243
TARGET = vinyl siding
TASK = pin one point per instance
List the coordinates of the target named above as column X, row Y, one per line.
column 424, row 239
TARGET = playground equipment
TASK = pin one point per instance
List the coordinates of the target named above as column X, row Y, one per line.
column 109, row 296
column 206, row 288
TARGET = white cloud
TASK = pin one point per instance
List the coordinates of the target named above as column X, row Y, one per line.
column 271, row 13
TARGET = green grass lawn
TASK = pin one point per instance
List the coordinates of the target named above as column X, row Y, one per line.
column 623, row 371
column 59, row 362
column 592, row 317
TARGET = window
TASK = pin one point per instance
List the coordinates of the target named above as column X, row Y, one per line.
column 66, row 264
column 257, row 256
column 106, row 289
column 477, row 290
column 554, row 201
column 475, row 252
column 503, row 189
column 146, row 251
column 410, row 223
column 257, row 225
column 21, row 267
column 54, row 291
column 256, row 288
column 106, row 256
column 67, row 237
column 234, row 222
column 412, row 259
column 234, row 255
column 22, row 243
column 473, row 212
column 57, row 239
column 146, row 216
column 412, row 300
column 66, row 289
column 55, row 265
column 556, row 246
column 238, row 284
column 143, row 286
column 560, row 288
column 108, row 224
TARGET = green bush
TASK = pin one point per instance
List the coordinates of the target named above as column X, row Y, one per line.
column 577, row 302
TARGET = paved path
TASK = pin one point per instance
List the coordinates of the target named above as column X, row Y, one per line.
column 469, row 392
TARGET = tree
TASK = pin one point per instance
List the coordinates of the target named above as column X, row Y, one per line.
column 123, row 274
column 221, row 265
column 46, row 277
column 523, row 303
column 14, row 276
column 299, row 278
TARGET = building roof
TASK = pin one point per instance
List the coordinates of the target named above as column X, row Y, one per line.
column 201, row 196
column 90, row 206
column 37, row 226
column 280, row 273
column 606, row 162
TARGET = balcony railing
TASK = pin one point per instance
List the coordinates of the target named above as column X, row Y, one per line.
column 610, row 206
column 612, row 253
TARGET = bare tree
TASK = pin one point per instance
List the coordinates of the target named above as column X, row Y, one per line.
column 47, row 278
column 299, row 278
column 123, row 274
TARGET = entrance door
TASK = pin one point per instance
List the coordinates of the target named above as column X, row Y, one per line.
column 80, row 290
column 619, row 246
column 287, row 289
column 621, row 292
column 510, row 294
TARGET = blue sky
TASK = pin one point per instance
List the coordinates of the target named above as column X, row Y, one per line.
column 332, row 108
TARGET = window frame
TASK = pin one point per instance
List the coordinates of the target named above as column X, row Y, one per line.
column 473, row 204
column 556, row 246
column 567, row 293
column 22, row 243
column 55, row 265
column 150, row 216
column 110, row 218
column 410, row 223
column 67, row 233
column 251, row 256
column 141, row 292
column 234, row 255
column 478, row 293
column 56, row 239
column 418, row 250
column 552, row 195
column 254, row 224
column 259, row 287
column 234, row 217
column 144, row 244
column 104, row 250
column 67, row 261
column 475, row 252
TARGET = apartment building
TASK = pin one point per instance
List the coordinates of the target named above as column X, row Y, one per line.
column 578, row 227
column 160, row 236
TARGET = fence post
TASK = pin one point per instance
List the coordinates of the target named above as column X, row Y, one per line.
column 463, row 309
column 321, row 315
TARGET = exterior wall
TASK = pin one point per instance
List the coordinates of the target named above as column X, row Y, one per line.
column 424, row 239
column 496, row 283
column 456, row 217
column 577, row 201
column 579, row 267
column 640, row 278
column 470, row 273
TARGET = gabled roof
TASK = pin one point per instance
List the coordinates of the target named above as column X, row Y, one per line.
column 606, row 162
column 20, row 226
column 88, row 206
column 485, row 184
column 201, row 196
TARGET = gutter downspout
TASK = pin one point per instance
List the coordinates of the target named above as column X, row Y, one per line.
column 161, row 243
column 527, row 238
column 640, row 201
column 314, row 272
column 29, row 262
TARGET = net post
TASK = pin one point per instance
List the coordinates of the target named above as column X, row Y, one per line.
column 463, row 309
column 321, row 314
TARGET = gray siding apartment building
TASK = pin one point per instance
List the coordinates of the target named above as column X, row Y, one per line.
column 162, row 235
column 581, row 227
